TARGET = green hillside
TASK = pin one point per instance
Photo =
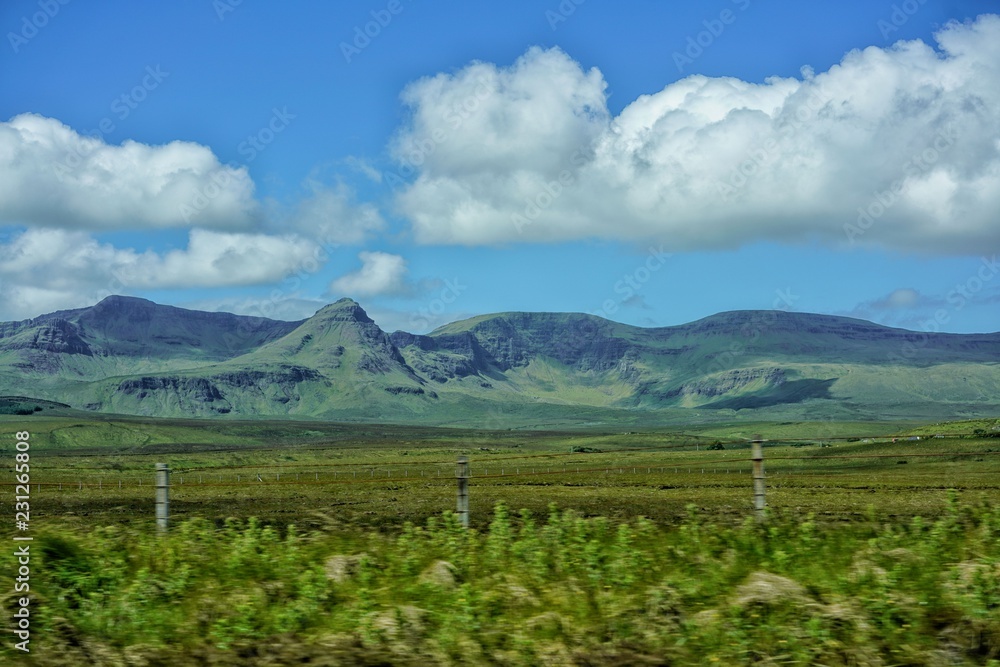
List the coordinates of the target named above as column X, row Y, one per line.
column 131, row 356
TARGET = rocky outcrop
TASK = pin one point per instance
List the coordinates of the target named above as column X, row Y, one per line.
column 221, row 393
column 729, row 382
column 445, row 357
column 285, row 375
column 584, row 342
column 199, row 389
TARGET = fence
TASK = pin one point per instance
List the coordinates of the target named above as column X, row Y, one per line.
column 669, row 468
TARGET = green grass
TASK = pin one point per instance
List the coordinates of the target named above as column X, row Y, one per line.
column 865, row 559
column 382, row 476
column 535, row 588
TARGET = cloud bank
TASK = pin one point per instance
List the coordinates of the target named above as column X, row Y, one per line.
column 897, row 147
column 59, row 190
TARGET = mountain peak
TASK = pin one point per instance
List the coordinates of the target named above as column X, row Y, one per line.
column 117, row 307
column 118, row 300
column 344, row 310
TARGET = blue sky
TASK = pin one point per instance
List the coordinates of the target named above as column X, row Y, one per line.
column 650, row 162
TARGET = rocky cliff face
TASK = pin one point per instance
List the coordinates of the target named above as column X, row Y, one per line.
column 218, row 394
column 445, row 357
column 584, row 342
column 727, row 383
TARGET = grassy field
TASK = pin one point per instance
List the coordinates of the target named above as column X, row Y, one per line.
column 262, row 511
column 314, row 473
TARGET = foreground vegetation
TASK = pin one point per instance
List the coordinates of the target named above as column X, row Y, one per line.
column 325, row 544
column 528, row 590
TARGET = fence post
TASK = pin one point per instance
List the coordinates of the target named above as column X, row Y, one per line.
column 462, row 473
column 757, row 456
column 162, row 496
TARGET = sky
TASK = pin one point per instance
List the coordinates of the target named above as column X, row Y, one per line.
column 648, row 162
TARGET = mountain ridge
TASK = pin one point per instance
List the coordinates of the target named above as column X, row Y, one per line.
column 134, row 356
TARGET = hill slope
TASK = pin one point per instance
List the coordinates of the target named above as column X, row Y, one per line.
column 133, row 356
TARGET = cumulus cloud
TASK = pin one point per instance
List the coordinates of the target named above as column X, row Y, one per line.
column 63, row 187
column 52, row 176
column 897, row 146
column 48, row 269
column 218, row 259
column 381, row 273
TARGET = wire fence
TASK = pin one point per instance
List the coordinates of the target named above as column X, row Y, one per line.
column 510, row 467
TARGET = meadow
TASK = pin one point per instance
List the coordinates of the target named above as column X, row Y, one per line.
column 335, row 544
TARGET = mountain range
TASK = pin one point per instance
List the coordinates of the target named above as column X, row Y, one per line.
column 132, row 356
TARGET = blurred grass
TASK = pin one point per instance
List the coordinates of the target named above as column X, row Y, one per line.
column 873, row 554
column 529, row 589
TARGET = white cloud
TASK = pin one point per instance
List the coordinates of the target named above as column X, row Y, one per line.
column 364, row 167
column 905, row 297
column 531, row 153
column 52, row 176
column 47, row 269
column 219, row 259
column 62, row 187
column 380, row 274
column 490, row 119
column 333, row 217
